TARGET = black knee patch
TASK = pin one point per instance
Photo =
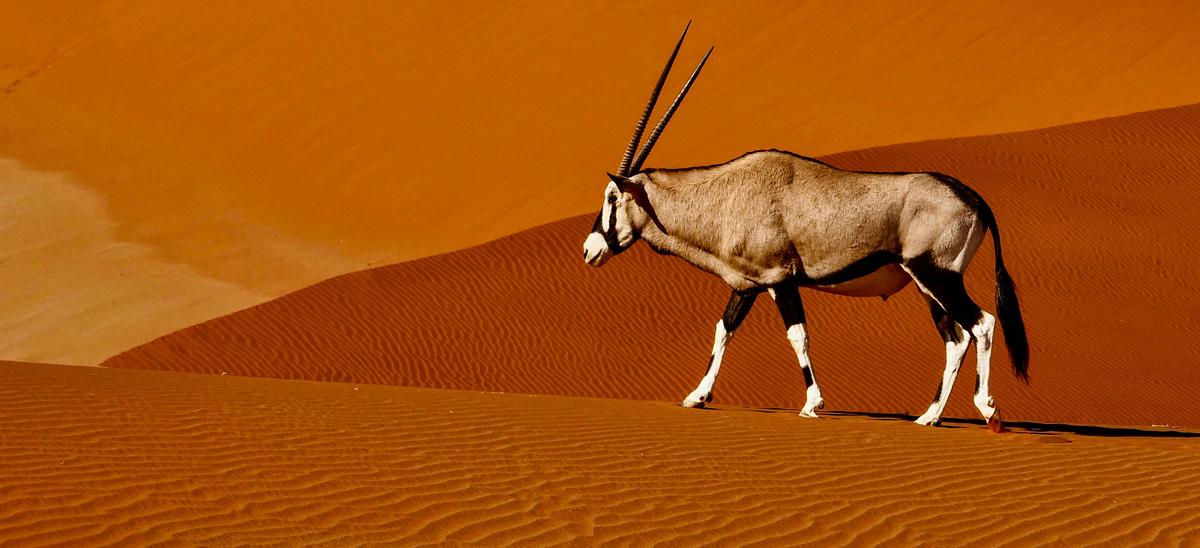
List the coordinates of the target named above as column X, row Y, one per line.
column 808, row 378
column 944, row 324
column 791, row 308
column 937, row 396
column 737, row 308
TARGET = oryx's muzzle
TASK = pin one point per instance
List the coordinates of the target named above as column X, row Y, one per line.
column 604, row 240
column 595, row 249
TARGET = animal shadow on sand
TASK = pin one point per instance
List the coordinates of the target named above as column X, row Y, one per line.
column 1037, row 428
column 1011, row 427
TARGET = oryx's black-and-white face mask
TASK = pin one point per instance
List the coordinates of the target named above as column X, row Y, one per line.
column 612, row 232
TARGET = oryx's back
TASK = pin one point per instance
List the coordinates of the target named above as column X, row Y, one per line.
column 778, row 208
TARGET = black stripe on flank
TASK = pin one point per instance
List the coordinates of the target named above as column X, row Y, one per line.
column 854, row 270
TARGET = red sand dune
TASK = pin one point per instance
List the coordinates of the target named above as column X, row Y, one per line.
column 1100, row 232
column 248, row 149
column 203, row 460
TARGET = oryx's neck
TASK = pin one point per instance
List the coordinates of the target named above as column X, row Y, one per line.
column 675, row 215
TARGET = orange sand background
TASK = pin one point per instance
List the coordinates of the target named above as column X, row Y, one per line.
column 249, row 149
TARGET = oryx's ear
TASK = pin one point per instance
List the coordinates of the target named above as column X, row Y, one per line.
column 619, row 180
column 612, row 192
column 624, row 184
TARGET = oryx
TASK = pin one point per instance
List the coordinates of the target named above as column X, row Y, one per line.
column 775, row 221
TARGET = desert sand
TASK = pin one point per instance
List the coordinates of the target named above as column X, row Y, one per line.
column 1099, row 231
column 200, row 459
column 252, row 149
column 330, row 256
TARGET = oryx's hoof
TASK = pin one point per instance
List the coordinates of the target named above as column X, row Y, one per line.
column 810, row 411
column 697, row 399
column 928, row 420
column 986, row 406
column 995, row 424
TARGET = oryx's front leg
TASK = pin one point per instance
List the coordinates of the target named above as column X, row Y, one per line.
column 739, row 305
column 791, row 309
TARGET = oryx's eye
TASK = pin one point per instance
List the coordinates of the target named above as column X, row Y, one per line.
column 612, row 198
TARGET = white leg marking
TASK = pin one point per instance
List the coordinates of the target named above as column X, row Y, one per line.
column 703, row 393
column 798, row 336
column 955, row 352
column 983, row 348
column 813, row 401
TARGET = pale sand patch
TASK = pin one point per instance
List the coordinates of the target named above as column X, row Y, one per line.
column 72, row 292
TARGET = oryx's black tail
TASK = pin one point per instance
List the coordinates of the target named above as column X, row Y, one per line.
column 1007, row 308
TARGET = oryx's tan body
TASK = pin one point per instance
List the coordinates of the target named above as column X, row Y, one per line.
column 770, row 217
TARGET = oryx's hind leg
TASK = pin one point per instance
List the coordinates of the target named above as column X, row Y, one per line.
column 791, row 309
column 957, row 342
column 735, row 311
column 945, row 287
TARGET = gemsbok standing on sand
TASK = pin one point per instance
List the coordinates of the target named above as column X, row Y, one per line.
column 775, row 221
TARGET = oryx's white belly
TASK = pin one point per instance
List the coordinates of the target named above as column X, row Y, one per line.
column 881, row 283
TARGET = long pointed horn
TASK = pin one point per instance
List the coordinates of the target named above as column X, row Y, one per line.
column 641, row 125
column 662, row 124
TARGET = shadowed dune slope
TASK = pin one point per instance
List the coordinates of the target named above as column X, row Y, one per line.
column 1099, row 228
column 270, row 144
column 188, row 459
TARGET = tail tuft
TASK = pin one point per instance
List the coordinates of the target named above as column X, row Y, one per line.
column 1008, row 309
